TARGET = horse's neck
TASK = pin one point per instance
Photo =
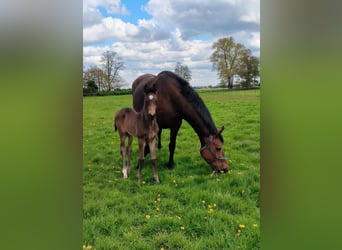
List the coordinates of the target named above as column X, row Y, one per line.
column 199, row 126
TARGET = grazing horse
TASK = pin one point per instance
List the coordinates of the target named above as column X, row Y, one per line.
column 142, row 125
column 178, row 101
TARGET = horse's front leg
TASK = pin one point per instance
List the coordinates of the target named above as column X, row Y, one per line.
column 172, row 144
column 141, row 143
column 152, row 146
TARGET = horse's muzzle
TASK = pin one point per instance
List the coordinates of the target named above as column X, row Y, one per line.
column 220, row 171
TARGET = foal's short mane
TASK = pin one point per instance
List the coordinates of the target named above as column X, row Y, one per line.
column 192, row 97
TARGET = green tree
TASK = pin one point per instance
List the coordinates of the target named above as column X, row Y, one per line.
column 249, row 68
column 111, row 64
column 183, row 71
column 226, row 58
column 91, row 88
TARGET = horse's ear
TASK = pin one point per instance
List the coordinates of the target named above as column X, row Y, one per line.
column 220, row 131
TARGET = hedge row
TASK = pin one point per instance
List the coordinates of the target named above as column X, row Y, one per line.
column 107, row 93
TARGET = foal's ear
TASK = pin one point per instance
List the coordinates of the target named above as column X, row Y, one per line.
column 220, row 131
column 150, row 87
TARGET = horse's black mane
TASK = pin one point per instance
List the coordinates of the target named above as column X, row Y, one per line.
column 191, row 95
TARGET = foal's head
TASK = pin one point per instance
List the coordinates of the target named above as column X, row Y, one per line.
column 150, row 101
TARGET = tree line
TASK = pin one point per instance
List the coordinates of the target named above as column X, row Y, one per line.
column 228, row 58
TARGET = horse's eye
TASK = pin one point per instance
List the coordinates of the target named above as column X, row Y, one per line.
column 218, row 149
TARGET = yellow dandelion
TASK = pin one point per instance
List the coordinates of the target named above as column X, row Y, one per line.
column 209, row 206
column 174, row 181
column 214, row 204
column 242, row 226
column 158, row 199
column 88, row 247
column 143, row 182
column 182, row 228
column 162, row 248
column 210, row 211
column 148, row 216
column 255, row 225
column 178, row 217
column 203, row 202
column 158, row 209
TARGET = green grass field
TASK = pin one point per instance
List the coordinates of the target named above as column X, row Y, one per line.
column 190, row 208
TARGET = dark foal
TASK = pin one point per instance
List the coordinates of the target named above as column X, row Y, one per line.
column 142, row 125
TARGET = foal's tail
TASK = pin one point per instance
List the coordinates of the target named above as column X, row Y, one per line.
column 118, row 119
column 115, row 127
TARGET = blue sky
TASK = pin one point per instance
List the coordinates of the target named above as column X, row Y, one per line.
column 153, row 35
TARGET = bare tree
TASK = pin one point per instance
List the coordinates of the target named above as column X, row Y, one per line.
column 183, row 71
column 97, row 75
column 111, row 64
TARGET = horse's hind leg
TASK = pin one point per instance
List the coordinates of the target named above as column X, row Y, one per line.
column 141, row 157
column 128, row 152
column 159, row 138
column 152, row 146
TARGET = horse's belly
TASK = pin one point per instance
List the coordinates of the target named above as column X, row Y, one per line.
column 167, row 119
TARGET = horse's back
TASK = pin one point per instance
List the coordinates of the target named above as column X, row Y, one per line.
column 122, row 117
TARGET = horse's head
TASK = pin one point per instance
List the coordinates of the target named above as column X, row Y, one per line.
column 150, row 101
column 213, row 154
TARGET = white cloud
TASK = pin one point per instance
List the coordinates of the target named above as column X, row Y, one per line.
column 156, row 44
column 206, row 16
column 92, row 15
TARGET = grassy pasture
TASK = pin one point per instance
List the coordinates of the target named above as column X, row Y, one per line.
column 190, row 208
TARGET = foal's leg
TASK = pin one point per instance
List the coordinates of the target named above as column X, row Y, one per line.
column 129, row 151
column 123, row 155
column 152, row 146
column 141, row 157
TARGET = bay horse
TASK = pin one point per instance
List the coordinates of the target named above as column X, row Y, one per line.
column 177, row 100
column 142, row 125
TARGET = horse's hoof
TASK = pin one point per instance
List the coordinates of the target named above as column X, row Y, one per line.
column 170, row 165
